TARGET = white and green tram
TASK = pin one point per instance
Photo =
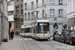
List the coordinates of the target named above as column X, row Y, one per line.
column 38, row 29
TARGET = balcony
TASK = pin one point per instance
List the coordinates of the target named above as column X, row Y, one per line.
column 18, row 16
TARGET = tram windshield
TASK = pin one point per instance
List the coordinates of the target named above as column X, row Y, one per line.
column 43, row 27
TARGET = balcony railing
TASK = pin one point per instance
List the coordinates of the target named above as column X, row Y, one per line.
column 18, row 16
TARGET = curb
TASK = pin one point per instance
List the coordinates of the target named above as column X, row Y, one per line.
column 21, row 46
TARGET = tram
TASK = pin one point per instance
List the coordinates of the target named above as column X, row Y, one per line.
column 25, row 31
column 38, row 29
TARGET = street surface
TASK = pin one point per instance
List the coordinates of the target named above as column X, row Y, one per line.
column 32, row 44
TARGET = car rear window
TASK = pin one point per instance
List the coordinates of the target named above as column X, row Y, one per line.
column 73, row 33
column 59, row 32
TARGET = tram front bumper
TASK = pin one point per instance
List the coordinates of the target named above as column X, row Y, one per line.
column 42, row 37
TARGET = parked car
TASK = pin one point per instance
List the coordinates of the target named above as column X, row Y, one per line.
column 56, row 36
column 64, row 34
column 71, row 38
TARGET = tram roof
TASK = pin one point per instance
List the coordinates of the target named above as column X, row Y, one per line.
column 27, row 26
column 42, row 20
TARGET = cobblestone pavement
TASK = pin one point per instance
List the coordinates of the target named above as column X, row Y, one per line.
column 14, row 44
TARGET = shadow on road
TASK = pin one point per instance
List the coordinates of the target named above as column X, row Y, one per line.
column 41, row 39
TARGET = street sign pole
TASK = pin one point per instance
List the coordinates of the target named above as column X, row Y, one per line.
column 55, row 21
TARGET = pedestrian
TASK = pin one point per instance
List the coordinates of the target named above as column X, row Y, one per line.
column 12, row 34
column 54, row 33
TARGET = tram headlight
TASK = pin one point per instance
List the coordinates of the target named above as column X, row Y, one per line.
column 39, row 35
column 48, row 35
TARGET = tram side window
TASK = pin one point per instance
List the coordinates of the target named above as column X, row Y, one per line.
column 27, row 30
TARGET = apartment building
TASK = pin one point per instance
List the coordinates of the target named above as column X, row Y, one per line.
column 3, row 20
column 48, row 10
column 18, row 15
column 71, row 14
column 11, row 13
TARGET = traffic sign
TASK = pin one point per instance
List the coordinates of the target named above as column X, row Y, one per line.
column 55, row 19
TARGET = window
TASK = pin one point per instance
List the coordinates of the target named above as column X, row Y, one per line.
column 42, row 2
column 17, row 0
column 17, row 11
column 21, row 20
column 43, row 27
column 17, row 25
column 60, row 12
column 32, row 4
column 21, row 7
column 51, row 2
column 60, row 2
column 22, row 11
column 17, row 21
column 10, row 13
column 52, row 13
column 11, row 3
column 27, row 30
column 36, row 3
column 36, row 14
column 42, row 13
column 28, row 15
column 17, row 7
column 25, row 6
column 32, row 15
column 25, row 16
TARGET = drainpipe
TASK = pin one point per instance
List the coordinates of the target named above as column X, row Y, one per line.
column 0, row 21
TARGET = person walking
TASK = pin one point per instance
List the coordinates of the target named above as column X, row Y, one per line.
column 12, row 34
column 54, row 35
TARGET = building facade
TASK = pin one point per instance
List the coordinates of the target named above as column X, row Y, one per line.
column 11, row 13
column 46, row 10
column 3, row 20
column 71, row 14
column 18, row 15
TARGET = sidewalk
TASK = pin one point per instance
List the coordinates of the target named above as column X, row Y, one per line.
column 14, row 44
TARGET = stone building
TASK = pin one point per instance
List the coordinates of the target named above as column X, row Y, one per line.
column 11, row 13
column 71, row 14
column 48, row 10
column 3, row 20
column 18, row 15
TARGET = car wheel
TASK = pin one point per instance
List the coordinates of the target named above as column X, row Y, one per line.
column 71, row 42
column 66, row 41
column 63, row 40
column 59, row 40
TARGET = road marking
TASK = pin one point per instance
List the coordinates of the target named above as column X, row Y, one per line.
column 20, row 39
column 25, row 39
column 65, row 47
column 30, row 39
column 51, row 37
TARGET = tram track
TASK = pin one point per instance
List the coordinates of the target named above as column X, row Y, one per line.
column 30, row 43
column 57, row 44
